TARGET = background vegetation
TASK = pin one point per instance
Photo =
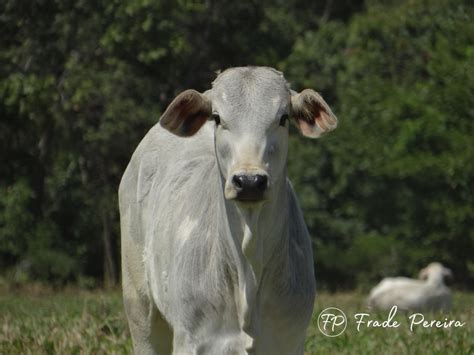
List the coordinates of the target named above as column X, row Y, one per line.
column 389, row 191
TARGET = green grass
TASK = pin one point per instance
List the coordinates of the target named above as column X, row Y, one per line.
column 80, row 322
column 71, row 322
column 399, row 340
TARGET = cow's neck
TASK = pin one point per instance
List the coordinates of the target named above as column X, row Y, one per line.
column 255, row 233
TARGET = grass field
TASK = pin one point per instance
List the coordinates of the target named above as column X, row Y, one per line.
column 80, row 322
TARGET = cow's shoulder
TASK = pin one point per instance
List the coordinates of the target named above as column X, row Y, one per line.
column 162, row 157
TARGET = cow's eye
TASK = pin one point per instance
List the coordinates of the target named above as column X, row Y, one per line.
column 283, row 119
column 216, row 119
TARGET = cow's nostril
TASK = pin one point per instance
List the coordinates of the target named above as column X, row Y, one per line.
column 261, row 182
column 238, row 181
column 250, row 187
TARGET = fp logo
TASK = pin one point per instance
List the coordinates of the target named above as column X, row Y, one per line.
column 332, row 322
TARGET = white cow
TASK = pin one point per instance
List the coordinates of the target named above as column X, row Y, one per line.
column 429, row 293
column 216, row 257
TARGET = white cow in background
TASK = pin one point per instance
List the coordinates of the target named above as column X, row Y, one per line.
column 429, row 293
column 216, row 257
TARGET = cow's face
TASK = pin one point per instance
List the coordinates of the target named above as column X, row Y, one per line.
column 436, row 272
column 250, row 108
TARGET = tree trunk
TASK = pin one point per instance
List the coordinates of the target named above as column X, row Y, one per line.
column 110, row 275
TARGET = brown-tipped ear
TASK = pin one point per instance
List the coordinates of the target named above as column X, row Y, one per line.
column 312, row 114
column 423, row 275
column 186, row 114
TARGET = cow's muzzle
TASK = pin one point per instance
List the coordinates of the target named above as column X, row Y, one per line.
column 250, row 188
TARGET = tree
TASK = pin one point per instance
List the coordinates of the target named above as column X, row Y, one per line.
column 81, row 82
column 393, row 182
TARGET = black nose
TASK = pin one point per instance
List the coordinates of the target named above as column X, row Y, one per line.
column 250, row 187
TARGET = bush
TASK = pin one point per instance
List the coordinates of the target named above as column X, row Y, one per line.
column 393, row 184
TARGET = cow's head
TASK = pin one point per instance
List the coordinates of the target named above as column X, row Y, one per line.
column 250, row 108
column 436, row 272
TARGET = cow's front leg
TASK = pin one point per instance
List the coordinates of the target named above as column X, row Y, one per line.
column 184, row 343
column 214, row 344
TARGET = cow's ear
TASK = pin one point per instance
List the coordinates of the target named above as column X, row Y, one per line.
column 186, row 114
column 312, row 114
column 423, row 275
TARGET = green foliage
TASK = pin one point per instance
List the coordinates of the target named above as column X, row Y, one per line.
column 15, row 219
column 390, row 190
column 63, row 323
column 398, row 184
